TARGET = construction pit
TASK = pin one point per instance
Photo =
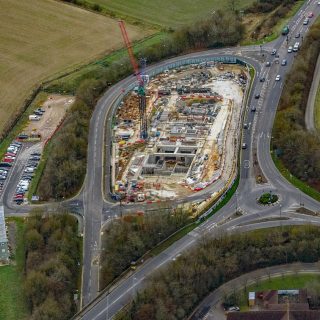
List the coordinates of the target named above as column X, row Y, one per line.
column 194, row 115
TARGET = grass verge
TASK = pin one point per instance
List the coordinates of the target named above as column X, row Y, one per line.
column 38, row 172
column 12, row 299
column 294, row 180
column 276, row 30
column 317, row 110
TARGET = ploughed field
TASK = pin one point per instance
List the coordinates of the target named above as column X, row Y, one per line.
column 40, row 39
column 167, row 13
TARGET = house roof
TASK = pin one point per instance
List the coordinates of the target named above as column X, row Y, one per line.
column 256, row 315
column 275, row 315
column 3, row 234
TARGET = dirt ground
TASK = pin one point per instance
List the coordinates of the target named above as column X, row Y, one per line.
column 55, row 108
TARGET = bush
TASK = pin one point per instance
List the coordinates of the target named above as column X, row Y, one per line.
column 268, row 198
column 126, row 240
column 52, row 265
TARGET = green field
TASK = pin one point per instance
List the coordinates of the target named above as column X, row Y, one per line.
column 299, row 281
column 40, row 39
column 12, row 299
column 167, row 13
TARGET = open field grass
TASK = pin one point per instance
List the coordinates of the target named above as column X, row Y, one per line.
column 298, row 281
column 40, row 39
column 166, row 13
column 12, row 300
column 69, row 83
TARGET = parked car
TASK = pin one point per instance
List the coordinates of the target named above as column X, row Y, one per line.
column 290, row 49
column 253, row 109
column 297, row 35
column 284, row 62
column 257, row 95
column 234, row 308
column 278, row 77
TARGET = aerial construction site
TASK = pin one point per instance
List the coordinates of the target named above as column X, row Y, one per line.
column 193, row 114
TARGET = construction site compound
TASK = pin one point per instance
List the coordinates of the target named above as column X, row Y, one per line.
column 194, row 114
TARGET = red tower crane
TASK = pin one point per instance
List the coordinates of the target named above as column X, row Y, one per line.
column 141, row 88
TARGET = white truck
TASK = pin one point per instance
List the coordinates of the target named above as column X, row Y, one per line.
column 34, row 117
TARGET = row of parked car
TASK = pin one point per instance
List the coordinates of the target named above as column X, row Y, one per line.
column 37, row 114
column 28, row 172
column 7, row 161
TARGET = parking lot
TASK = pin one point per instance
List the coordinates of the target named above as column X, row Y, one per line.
column 17, row 169
column 7, row 163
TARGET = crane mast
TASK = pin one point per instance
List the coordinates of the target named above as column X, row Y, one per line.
column 141, row 87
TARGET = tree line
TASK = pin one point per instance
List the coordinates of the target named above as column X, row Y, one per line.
column 52, row 265
column 66, row 167
column 297, row 148
column 265, row 6
column 128, row 239
column 177, row 289
column 275, row 11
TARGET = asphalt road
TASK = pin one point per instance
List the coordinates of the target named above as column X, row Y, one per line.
column 248, row 191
